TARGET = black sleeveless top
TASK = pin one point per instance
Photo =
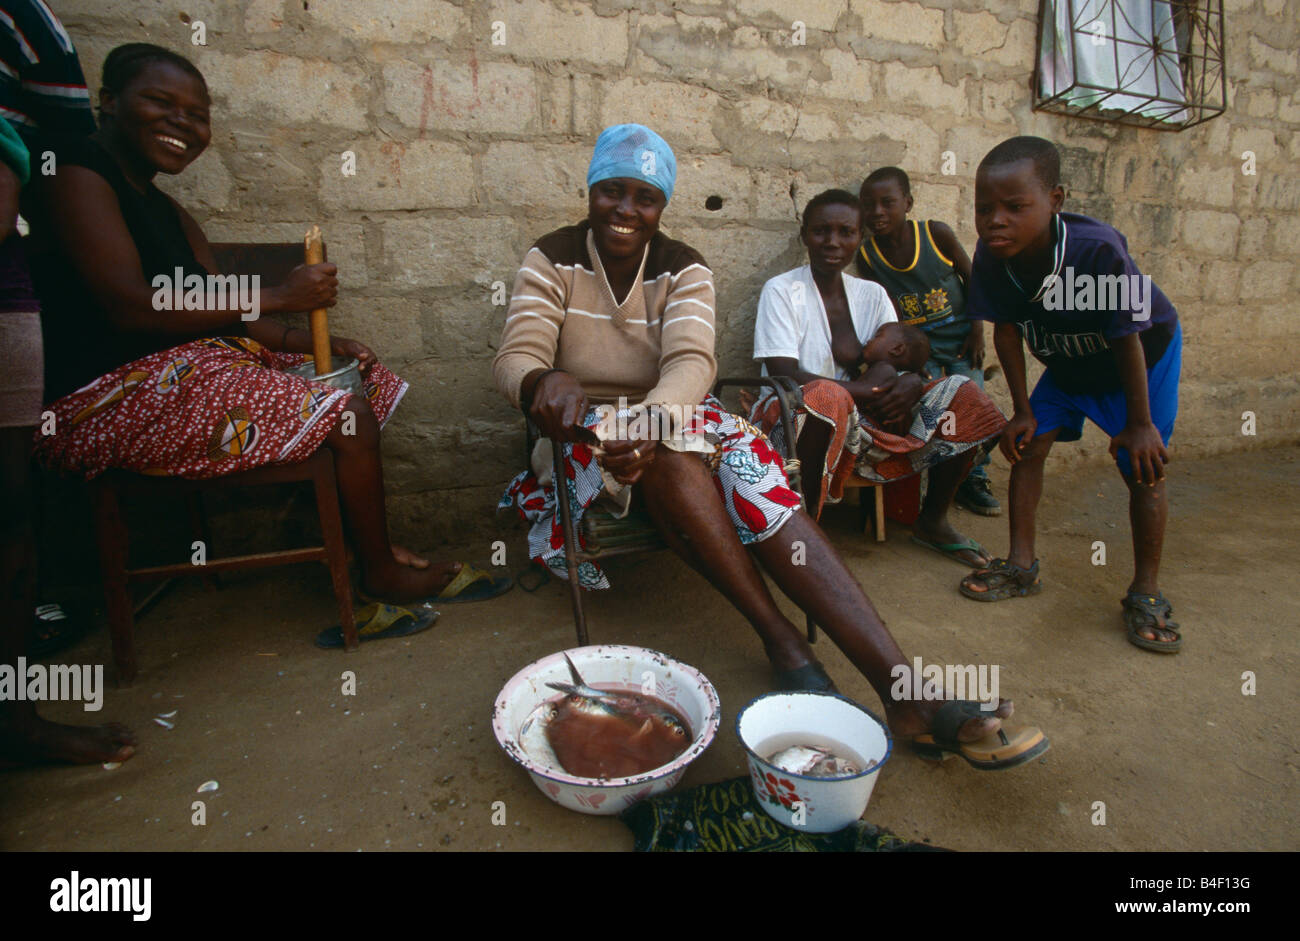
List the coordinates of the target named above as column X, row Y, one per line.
column 81, row 343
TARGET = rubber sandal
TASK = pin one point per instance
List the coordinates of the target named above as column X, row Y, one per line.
column 458, row 589
column 996, row 752
column 811, row 677
column 950, row 549
column 379, row 621
column 1147, row 612
column 1004, row 580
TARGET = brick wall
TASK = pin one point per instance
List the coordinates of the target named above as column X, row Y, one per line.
column 472, row 125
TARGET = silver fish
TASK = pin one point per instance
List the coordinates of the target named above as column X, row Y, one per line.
column 813, row 761
column 599, row 701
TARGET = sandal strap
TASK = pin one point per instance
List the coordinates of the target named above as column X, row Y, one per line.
column 952, row 715
column 379, row 616
column 467, row 576
column 1156, row 605
column 1001, row 571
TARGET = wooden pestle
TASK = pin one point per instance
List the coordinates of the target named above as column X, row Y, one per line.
column 314, row 252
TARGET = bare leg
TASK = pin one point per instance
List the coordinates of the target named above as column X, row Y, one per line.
column 1025, row 491
column 679, row 487
column 361, row 492
column 1148, row 511
column 811, row 448
column 933, row 525
column 26, row 738
column 679, row 491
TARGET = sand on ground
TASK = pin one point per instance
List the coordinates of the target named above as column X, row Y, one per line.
column 1178, row 755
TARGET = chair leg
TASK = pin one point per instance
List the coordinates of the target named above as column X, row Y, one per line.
column 112, row 537
column 331, row 524
column 880, row 512
column 570, row 543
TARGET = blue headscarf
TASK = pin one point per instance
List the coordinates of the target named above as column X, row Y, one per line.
column 635, row 151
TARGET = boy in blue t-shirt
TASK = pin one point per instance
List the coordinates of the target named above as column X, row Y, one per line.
column 1066, row 285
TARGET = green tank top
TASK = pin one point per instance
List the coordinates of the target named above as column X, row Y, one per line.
column 928, row 292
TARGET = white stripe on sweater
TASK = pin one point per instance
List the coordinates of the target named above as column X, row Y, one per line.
column 677, row 320
column 533, row 297
column 528, row 313
column 704, row 268
column 688, row 300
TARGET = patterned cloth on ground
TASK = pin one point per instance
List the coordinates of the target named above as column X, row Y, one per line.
column 725, row 817
column 206, row 408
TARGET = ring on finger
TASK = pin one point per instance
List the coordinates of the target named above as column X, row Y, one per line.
column 636, row 453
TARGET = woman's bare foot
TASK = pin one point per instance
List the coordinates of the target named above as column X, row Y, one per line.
column 405, row 556
column 908, row 719
column 401, row 583
column 33, row 740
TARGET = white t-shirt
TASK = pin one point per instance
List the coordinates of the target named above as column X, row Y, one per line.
column 792, row 320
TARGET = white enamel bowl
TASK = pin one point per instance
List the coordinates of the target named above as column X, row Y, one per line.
column 805, row 802
column 677, row 684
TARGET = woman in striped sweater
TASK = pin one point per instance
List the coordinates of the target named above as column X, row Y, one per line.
column 610, row 312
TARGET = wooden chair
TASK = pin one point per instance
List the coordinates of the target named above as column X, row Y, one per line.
column 272, row 262
column 877, row 511
column 606, row 536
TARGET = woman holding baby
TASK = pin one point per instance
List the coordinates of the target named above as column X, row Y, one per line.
column 814, row 324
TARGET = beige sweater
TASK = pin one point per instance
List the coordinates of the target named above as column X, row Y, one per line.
column 656, row 348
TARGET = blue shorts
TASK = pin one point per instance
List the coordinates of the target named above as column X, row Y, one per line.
column 1055, row 409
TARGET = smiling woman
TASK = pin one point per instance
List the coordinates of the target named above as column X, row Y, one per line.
column 197, row 390
column 612, row 308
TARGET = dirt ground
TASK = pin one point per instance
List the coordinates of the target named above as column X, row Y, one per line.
column 1180, row 757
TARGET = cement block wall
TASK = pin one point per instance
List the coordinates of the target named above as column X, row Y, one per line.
column 472, row 124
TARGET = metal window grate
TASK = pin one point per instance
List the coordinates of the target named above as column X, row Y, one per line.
column 1150, row 63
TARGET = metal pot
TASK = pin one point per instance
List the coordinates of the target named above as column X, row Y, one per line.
column 343, row 374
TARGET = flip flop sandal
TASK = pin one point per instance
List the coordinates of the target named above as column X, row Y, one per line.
column 473, row 584
column 950, row 549
column 995, row 752
column 811, row 677
column 459, row 590
column 379, row 621
column 1150, row 613
column 1003, row 580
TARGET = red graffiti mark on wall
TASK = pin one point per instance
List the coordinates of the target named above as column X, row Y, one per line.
column 426, row 101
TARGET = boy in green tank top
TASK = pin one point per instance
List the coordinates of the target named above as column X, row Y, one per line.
column 925, row 271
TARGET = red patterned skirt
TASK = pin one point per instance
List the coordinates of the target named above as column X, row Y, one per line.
column 206, row 408
column 954, row 416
